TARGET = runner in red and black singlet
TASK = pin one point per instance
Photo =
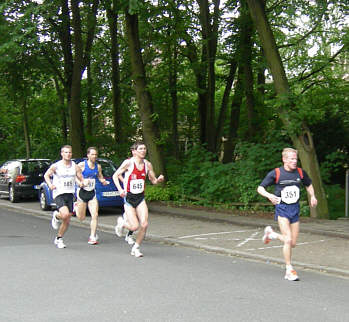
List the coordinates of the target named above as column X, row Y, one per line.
column 135, row 171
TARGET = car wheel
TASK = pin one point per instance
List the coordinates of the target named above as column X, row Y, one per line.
column 43, row 201
column 13, row 196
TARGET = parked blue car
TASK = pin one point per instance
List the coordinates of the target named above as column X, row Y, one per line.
column 107, row 196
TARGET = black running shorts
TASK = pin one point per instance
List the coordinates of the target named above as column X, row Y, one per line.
column 85, row 195
column 65, row 199
column 134, row 199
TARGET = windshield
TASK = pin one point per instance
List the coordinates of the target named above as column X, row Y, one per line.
column 108, row 168
column 35, row 167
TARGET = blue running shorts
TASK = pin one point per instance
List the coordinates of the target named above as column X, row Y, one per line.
column 291, row 212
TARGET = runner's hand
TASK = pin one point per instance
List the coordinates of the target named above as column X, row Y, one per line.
column 274, row 199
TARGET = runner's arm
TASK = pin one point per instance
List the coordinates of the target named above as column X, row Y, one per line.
column 313, row 200
column 101, row 177
column 119, row 173
column 264, row 193
column 80, row 179
column 47, row 176
column 151, row 175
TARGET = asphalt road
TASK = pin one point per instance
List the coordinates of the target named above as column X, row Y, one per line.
column 104, row 283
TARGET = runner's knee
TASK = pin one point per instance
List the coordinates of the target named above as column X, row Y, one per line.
column 133, row 227
column 288, row 240
column 144, row 225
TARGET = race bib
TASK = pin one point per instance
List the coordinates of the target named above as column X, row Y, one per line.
column 89, row 184
column 290, row 194
column 137, row 186
column 67, row 184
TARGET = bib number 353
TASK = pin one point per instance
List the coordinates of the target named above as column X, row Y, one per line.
column 290, row 194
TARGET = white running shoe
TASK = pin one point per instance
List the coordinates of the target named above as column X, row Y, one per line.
column 129, row 239
column 119, row 229
column 59, row 243
column 54, row 220
column 291, row 275
column 75, row 206
column 267, row 231
column 136, row 252
column 93, row 240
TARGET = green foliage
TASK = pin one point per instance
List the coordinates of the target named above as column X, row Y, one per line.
column 334, row 162
column 169, row 192
column 336, row 201
column 203, row 177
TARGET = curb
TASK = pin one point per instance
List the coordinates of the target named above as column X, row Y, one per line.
column 260, row 223
column 217, row 250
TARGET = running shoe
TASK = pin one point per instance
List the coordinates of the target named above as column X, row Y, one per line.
column 59, row 243
column 54, row 220
column 136, row 252
column 75, row 206
column 93, row 240
column 129, row 239
column 291, row 275
column 267, row 231
column 119, row 229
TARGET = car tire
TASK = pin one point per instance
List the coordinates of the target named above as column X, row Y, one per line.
column 12, row 194
column 43, row 201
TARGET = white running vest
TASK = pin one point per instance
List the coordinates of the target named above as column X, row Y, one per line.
column 64, row 178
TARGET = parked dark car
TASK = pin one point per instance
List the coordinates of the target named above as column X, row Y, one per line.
column 107, row 196
column 18, row 177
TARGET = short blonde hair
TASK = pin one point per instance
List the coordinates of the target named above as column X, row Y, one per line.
column 66, row 147
column 288, row 150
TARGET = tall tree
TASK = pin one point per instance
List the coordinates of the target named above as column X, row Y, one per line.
column 302, row 139
column 149, row 124
column 112, row 8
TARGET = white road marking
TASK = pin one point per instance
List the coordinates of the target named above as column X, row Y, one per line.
column 248, row 239
column 280, row 246
column 218, row 233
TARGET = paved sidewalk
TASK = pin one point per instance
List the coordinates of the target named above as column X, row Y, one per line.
column 323, row 245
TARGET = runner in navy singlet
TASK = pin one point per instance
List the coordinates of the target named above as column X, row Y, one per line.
column 136, row 169
column 287, row 180
column 86, row 196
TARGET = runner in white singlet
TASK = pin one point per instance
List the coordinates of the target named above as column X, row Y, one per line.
column 63, row 174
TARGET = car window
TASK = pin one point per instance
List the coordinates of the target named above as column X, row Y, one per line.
column 35, row 167
column 108, row 168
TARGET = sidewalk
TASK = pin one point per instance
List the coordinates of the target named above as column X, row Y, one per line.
column 334, row 228
column 323, row 245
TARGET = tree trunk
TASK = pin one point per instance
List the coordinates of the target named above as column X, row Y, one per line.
column 151, row 131
column 23, row 102
column 229, row 145
column 174, row 97
column 89, row 103
column 60, row 95
column 81, row 58
column 112, row 14
column 245, row 61
column 302, row 141
column 209, row 34
column 223, row 110
column 199, row 70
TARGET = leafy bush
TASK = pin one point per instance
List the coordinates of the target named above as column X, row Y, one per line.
column 336, row 201
column 213, row 181
column 169, row 192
